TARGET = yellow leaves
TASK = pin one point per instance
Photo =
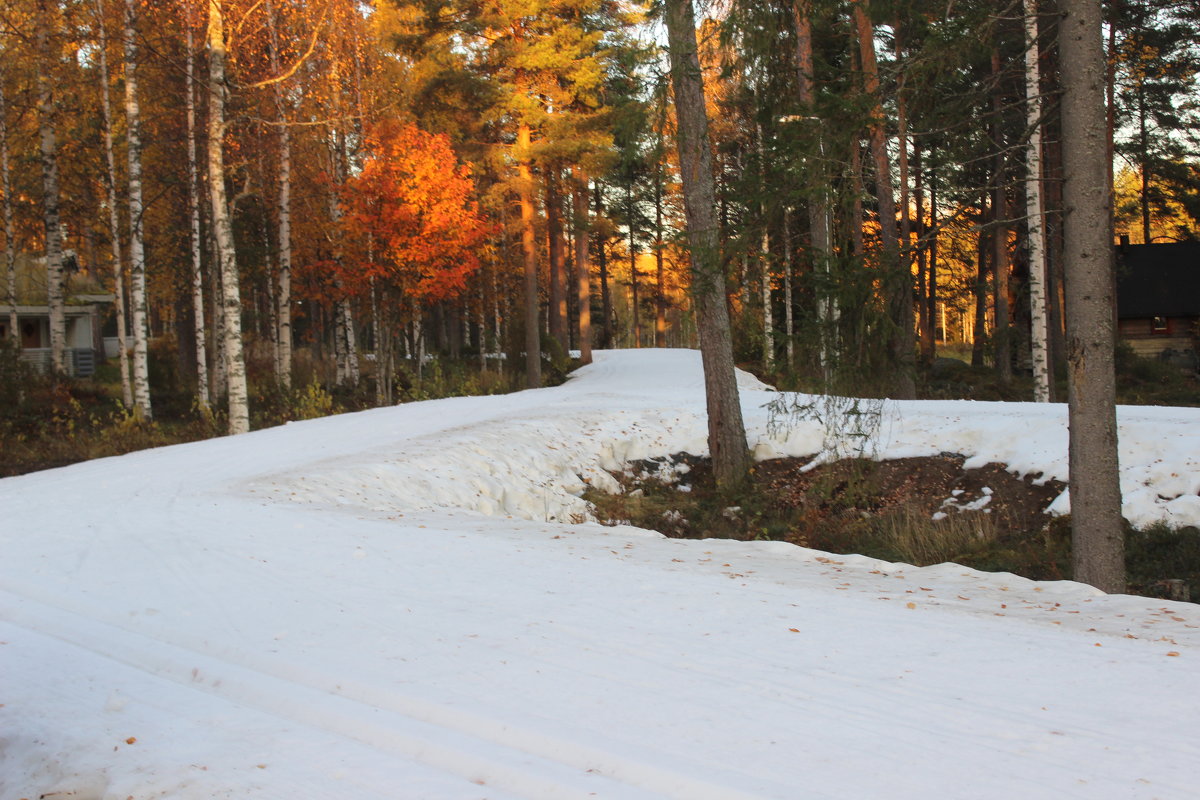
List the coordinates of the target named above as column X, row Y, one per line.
column 910, row 605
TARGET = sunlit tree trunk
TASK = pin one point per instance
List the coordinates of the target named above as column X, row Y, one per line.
column 1098, row 542
column 231, row 302
column 557, row 309
column 1033, row 209
column 789, row 322
column 533, row 350
column 583, row 267
column 726, row 431
column 50, row 187
column 137, row 253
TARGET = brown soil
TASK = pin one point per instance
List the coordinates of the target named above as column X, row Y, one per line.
column 925, row 486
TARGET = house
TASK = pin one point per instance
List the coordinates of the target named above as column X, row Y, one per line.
column 86, row 306
column 1158, row 300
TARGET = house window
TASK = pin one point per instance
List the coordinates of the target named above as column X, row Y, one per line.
column 1159, row 325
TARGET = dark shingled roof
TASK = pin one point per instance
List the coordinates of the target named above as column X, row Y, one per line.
column 1158, row 280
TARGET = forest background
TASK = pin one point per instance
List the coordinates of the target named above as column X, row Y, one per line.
column 300, row 207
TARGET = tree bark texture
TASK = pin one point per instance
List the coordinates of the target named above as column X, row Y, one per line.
column 10, row 249
column 1033, row 210
column 202, row 395
column 51, row 215
column 231, row 301
column 137, row 253
column 557, row 310
column 283, row 324
column 1096, row 526
column 533, row 350
column 114, row 213
column 582, row 266
column 726, row 430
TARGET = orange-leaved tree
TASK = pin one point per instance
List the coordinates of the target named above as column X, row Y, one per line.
column 414, row 216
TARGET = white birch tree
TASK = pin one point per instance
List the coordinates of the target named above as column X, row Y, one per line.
column 230, row 297
column 137, row 253
column 202, row 394
column 1033, row 210
column 114, row 211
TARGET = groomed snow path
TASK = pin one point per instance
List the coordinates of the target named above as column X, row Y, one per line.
column 405, row 603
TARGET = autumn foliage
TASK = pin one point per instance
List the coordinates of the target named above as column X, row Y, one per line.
column 412, row 208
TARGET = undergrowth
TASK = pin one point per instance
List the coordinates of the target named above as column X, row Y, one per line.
column 855, row 507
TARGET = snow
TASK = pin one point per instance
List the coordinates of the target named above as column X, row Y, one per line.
column 412, row 603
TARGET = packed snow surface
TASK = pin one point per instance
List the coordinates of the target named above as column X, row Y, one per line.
column 413, row 602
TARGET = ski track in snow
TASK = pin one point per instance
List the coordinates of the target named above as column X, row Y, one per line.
column 388, row 604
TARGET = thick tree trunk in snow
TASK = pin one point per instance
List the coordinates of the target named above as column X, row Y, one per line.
column 726, row 430
column 1098, row 542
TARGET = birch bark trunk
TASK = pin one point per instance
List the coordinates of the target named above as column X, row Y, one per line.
column 137, row 253
column 231, row 302
column 114, row 212
column 48, row 144
column 1033, row 209
column 202, row 395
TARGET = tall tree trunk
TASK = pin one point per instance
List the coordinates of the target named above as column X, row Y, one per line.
column 283, row 331
column 533, row 349
column 231, row 301
column 114, row 212
column 50, row 188
column 633, row 273
column 1033, row 209
column 660, row 277
column 897, row 278
column 1098, row 544
column 137, row 253
column 557, row 309
column 202, row 395
column 768, row 319
column 726, row 431
column 606, row 331
column 932, row 286
column 926, row 326
column 583, row 269
column 979, row 337
column 1002, row 333
column 10, row 249
column 789, row 322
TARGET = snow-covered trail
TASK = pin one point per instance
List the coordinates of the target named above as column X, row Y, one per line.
column 321, row 611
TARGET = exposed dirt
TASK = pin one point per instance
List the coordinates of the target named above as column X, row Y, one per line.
column 921, row 486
